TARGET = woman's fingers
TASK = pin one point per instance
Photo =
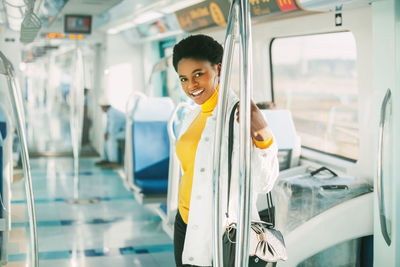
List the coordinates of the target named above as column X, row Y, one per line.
column 258, row 126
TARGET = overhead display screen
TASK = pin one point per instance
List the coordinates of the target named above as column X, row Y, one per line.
column 77, row 24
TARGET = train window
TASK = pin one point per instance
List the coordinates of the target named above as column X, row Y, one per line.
column 119, row 84
column 315, row 77
column 166, row 49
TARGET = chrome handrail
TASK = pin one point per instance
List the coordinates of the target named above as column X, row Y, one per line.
column 171, row 134
column 130, row 104
column 221, row 114
column 246, row 84
column 16, row 99
column 130, row 107
column 238, row 30
column 380, row 191
column 173, row 184
column 76, row 114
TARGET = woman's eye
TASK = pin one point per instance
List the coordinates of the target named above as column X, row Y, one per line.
column 183, row 80
column 198, row 74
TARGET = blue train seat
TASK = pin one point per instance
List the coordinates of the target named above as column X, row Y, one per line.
column 151, row 155
column 3, row 125
column 163, row 207
column 3, row 129
column 3, row 134
column 1, row 182
column 150, row 144
column 1, row 172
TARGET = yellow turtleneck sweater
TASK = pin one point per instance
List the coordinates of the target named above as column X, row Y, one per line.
column 186, row 148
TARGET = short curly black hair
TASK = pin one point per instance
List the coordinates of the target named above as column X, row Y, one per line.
column 198, row 46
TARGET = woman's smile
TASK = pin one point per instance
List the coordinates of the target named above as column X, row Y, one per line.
column 196, row 93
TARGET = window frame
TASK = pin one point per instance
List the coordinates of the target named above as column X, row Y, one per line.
column 314, row 150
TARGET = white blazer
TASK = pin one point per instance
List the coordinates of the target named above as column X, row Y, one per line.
column 198, row 247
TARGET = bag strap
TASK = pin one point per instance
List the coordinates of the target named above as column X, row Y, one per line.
column 271, row 210
column 313, row 173
column 230, row 151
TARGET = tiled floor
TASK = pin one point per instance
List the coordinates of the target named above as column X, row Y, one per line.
column 116, row 231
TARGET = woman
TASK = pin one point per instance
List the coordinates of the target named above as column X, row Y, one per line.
column 197, row 60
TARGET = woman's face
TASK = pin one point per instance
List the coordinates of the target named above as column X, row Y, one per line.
column 199, row 78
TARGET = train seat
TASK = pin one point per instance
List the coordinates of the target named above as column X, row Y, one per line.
column 281, row 123
column 3, row 129
column 1, row 171
column 1, row 181
column 150, row 148
column 3, row 125
column 151, row 156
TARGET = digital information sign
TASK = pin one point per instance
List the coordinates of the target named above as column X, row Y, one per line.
column 78, row 24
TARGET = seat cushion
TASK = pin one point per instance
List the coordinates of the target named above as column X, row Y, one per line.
column 153, row 186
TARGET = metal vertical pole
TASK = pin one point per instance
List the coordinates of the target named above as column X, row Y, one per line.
column 76, row 115
column 174, row 168
column 239, row 19
column 245, row 199
column 221, row 114
column 132, row 105
column 16, row 99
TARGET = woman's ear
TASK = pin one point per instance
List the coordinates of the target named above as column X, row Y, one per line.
column 219, row 69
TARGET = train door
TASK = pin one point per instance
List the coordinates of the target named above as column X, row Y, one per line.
column 386, row 43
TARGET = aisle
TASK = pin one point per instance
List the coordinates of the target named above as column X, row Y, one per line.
column 116, row 231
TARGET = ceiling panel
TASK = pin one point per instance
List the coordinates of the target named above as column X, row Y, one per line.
column 88, row 7
column 79, row 7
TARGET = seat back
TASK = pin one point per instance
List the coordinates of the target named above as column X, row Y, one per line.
column 3, row 125
column 150, row 149
column 282, row 126
column 1, row 172
column 150, row 143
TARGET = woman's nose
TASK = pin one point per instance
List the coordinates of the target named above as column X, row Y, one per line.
column 192, row 84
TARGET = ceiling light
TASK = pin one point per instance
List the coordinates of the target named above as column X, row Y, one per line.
column 147, row 17
column 121, row 28
column 179, row 5
column 14, row 24
column 22, row 66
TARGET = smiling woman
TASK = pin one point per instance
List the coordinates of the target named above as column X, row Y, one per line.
column 197, row 60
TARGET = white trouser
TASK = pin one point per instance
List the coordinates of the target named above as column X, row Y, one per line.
column 111, row 146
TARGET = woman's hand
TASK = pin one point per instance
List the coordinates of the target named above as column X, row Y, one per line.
column 259, row 129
